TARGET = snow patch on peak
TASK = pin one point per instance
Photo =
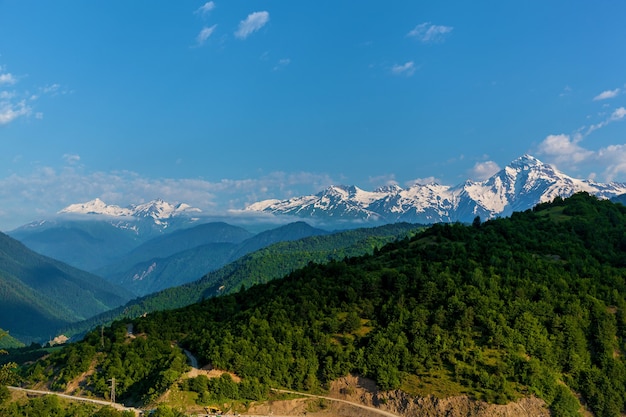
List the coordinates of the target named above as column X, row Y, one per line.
column 156, row 209
column 96, row 206
column 526, row 161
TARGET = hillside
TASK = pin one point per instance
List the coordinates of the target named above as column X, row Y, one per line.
column 38, row 295
column 529, row 305
column 186, row 255
column 263, row 265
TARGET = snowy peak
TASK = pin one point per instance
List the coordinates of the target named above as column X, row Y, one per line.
column 526, row 162
column 521, row 185
column 159, row 209
column 153, row 216
column 97, row 206
column 156, row 209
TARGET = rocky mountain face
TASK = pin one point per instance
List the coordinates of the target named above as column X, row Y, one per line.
column 521, row 185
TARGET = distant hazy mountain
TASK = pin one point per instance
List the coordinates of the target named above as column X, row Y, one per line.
column 93, row 234
column 175, row 258
column 38, row 294
column 519, row 186
column 188, row 254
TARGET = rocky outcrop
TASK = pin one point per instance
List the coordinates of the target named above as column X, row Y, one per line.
column 361, row 390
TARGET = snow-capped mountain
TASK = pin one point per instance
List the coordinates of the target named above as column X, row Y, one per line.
column 519, row 186
column 93, row 234
column 158, row 210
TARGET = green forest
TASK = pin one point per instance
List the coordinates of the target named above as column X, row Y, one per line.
column 272, row 262
column 534, row 304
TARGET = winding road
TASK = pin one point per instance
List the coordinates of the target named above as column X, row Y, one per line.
column 120, row 407
column 365, row 407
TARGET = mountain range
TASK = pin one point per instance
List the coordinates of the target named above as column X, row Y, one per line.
column 160, row 212
column 94, row 234
column 521, row 185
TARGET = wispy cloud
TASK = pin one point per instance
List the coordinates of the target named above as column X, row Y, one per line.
column 607, row 94
column 423, row 181
column 429, row 33
column 10, row 111
column 382, row 180
column 617, row 115
column 11, row 105
column 45, row 190
column 51, row 89
column 567, row 90
column 71, row 159
column 407, row 69
column 205, row 34
column 282, row 63
column 483, row 170
column 7, row 78
column 206, row 8
column 251, row 24
column 17, row 101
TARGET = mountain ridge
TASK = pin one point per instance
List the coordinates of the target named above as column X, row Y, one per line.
column 519, row 186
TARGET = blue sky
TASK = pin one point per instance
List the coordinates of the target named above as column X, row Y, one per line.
column 223, row 103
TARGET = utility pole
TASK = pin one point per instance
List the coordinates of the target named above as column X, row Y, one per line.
column 112, row 389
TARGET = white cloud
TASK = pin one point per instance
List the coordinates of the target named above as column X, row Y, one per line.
column 7, row 78
column 253, row 22
column 204, row 34
column 407, row 69
column 483, row 170
column 429, row 33
column 18, row 101
column 6, row 95
column 567, row 154
column 11, row 111
column 71, row 159
column 563, row 150
column 206, row 8
column 614, row 159
column 618, row 114
column 607, row 94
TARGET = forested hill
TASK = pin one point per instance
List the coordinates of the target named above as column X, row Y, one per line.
column 534, row 304
column 260, row 266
